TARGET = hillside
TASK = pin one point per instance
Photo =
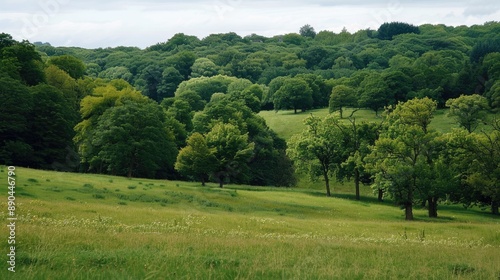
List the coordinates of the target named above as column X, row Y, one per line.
column 80, row 226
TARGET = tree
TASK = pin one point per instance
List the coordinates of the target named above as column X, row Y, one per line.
column 318, row 150
column 358, row 138
column 69, row 64
column 104, row 96
column 293, row 94
column 404, row 155
column 132, row 140
column 203, row 67
column 307, row 31
column 15, row 113
column 196, row 159
column 342, row 96
column 387, row 31
column 51, row 128
column 374, row 92
column 232, row 150
column 468, row 110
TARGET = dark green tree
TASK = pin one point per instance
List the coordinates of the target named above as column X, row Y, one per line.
column 294, row 94
column 132, row 140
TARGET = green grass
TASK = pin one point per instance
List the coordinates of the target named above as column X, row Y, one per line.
column 81, row 226
column 286, row 123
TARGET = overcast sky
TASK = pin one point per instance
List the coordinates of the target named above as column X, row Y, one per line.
column 110, row 23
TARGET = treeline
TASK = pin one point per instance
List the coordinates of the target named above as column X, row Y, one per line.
column 54, row 116
column 395, row 63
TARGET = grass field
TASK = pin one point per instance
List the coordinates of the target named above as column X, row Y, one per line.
column 81, row 226
column 286, row 123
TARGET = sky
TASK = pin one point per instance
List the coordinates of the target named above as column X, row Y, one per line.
column 111, row 23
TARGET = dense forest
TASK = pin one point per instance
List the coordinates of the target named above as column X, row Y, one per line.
column 188, row 108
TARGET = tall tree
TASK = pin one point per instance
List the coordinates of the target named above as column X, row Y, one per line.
column 404, row 152
column 132, row 140
column 232, row 151
column 196, row 159
column 307, row 31
column 51, row 127
column 318, row 150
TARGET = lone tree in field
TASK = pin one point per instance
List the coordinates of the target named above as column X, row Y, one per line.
column 318, row 150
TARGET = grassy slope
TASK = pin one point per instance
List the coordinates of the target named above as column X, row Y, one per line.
column 79, row 226
column 286, row 123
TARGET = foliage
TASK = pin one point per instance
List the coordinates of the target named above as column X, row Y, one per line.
column 69, row 64
column 387, row 31
column 468, row 110
column 196, row 159
column 318, row 150
column 294, row 94
column 232, row 151
column 132, row 140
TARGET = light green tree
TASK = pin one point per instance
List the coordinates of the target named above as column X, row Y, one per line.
column 196, row 159
column 318, row 150
column 231, row 149
column 468, row 110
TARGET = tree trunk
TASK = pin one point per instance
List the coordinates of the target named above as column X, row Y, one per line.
column 327, row 184
column 202, row 180
column 409, row 211
column 340, row 110
column 494, row 208
column 221, row 181
column 433, row 211
column 356, row 182
column 380, row 195
column 295, row 110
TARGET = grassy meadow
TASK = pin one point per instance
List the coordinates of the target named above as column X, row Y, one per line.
column 286, row 123
column 82, row 226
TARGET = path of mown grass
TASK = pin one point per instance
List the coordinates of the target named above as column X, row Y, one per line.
column 80, row 226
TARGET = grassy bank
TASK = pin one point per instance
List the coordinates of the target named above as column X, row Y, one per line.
column 79, row 226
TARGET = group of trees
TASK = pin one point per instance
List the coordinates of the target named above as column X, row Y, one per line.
column 188, row 108
column 407, row 160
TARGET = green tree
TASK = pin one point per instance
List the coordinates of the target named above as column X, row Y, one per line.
column 307, row 31
column 374, row 93
column 69, row 64
column 390, row 29
column 203, row 67
column 132, row 140
column 342, row 96
column 232, row 151
column 403, row 155
column 196, row 159
column 15, row 113
column 104, row 96
column 51, row 128
column 468, row 110
column 318, row 150
column 294, row 94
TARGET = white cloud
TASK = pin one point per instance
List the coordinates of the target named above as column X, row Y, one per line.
column 97, row 23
